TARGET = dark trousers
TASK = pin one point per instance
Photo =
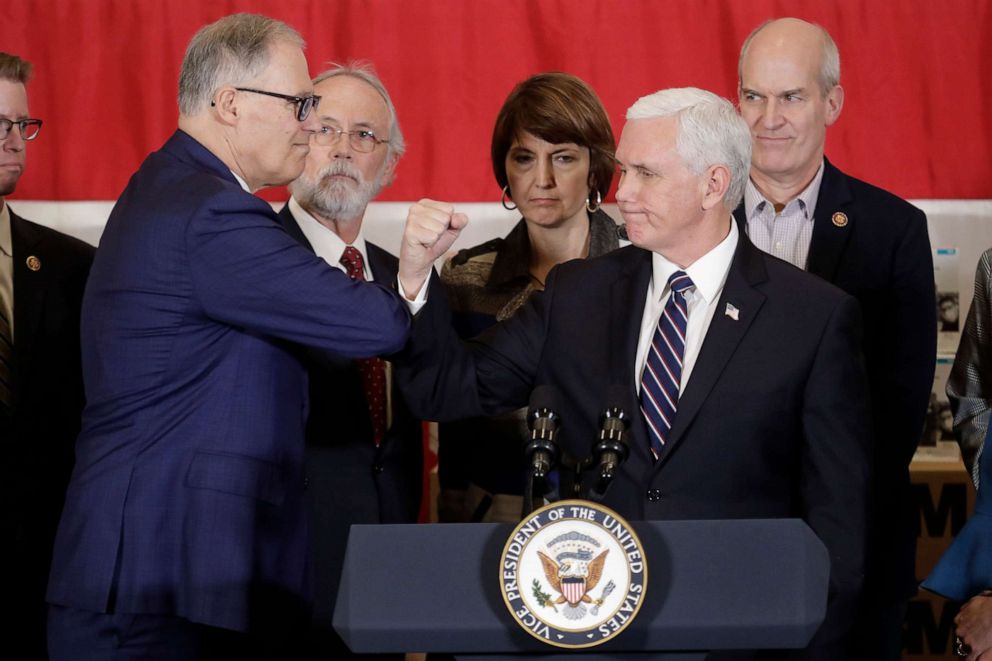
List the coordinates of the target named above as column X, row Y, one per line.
column 76, row 635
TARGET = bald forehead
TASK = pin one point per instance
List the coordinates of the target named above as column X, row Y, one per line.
column 787, row 36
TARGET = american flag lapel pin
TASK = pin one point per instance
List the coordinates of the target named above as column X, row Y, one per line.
column 732, row 312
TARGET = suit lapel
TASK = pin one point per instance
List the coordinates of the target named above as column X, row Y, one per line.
column 292, row 228
column 29, row 287
column 627, row 297
column 382, row 264
column 832, row 225
column 722, row 337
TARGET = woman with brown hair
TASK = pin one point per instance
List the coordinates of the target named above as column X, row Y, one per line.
column 552, row 154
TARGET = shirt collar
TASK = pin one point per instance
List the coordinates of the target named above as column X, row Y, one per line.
column 754, row 201
column 708, row 273
column 6, row 242
column 325, row 242
column 244, row 184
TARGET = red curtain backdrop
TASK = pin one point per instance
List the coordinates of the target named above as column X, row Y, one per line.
column 916, row 73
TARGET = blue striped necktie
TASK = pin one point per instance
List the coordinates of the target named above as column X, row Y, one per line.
column 663, row 368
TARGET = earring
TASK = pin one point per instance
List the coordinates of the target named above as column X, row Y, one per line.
column 593, row 208
column 502, row 200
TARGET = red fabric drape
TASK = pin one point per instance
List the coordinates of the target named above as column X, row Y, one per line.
column 916, row 73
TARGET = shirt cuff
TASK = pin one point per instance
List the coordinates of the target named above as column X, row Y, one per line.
column 419, row 302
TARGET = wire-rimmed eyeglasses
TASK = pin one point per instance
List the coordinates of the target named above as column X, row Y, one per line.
column 304, row 104
column 29, row 128
column 361, row 140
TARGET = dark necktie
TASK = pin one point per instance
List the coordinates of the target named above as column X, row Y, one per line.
column 663, row 367
column 6, row 359
column 373, row 370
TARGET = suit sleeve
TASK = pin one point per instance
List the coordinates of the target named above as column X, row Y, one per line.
column 444, row 378
column 969, row 387
column 248, row 272
column 903, row 371
column 835, row 464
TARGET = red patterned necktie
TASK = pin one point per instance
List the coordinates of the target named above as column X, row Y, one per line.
column 373, row 370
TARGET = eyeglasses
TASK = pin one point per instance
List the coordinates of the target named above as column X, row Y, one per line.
column 304, row 104
column 361, row 140
column 29, row 128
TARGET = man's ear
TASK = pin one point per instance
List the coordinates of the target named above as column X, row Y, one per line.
column 225, row 105
column 389, row 173
column 717, row 181
column 835, row 103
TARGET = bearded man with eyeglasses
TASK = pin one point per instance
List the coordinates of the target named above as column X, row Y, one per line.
column 42, row 276
column 364, row 448
column 184, row 533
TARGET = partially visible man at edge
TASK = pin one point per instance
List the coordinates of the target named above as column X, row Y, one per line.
column 184, row 532
column 364, row 456
column 42, row 275
column 871, row 244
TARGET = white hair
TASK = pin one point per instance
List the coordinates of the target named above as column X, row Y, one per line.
column 230, row 51
column 710, row 133
column 365, row 72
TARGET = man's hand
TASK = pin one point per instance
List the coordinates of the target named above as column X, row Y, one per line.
column 973, row 625
column 431, row 228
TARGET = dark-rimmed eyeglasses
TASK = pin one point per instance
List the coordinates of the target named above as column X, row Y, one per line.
column 29, row 128
column 304, row 104
column 361, row 140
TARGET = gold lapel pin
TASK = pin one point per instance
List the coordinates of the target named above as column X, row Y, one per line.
column 34, row 263
column 839, row 219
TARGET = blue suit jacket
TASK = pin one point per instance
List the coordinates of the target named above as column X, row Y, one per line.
column 186, row 497
column 772, row 423
column 351, row 480
column 882, row 258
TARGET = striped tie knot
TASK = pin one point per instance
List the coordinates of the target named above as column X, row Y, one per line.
column 680, row 282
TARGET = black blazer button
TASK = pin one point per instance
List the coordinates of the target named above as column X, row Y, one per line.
column 377, row 468
column 654, row 495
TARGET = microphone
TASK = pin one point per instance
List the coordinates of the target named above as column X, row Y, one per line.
column 612, row 449
column 542, row 450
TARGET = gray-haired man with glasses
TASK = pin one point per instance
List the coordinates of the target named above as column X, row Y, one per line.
column 184, row 533
column 363, row 445
column 42, row 275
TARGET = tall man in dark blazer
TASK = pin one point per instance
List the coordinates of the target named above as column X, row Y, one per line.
column 871, row 244
column 184, row 533
column 42, row 275
column 766, row 412
column 364, row 456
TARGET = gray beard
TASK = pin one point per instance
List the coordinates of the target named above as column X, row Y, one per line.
column 333, row 198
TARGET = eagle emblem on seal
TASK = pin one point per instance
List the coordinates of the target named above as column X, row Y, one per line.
column 573, row 572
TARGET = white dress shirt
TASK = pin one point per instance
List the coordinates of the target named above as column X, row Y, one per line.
column 326, row 243
column 708, row 274
column 785, row 234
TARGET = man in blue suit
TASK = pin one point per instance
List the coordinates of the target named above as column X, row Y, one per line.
column 184, row 533
column 871, row 244
column 364, row 457
column 765, row 386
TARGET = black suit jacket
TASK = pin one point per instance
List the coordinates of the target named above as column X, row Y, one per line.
column 882, row 257
column 350, row 480
column 772, row 423
column 47, row 404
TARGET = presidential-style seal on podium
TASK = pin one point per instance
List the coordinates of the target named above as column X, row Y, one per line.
column 573, row 574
